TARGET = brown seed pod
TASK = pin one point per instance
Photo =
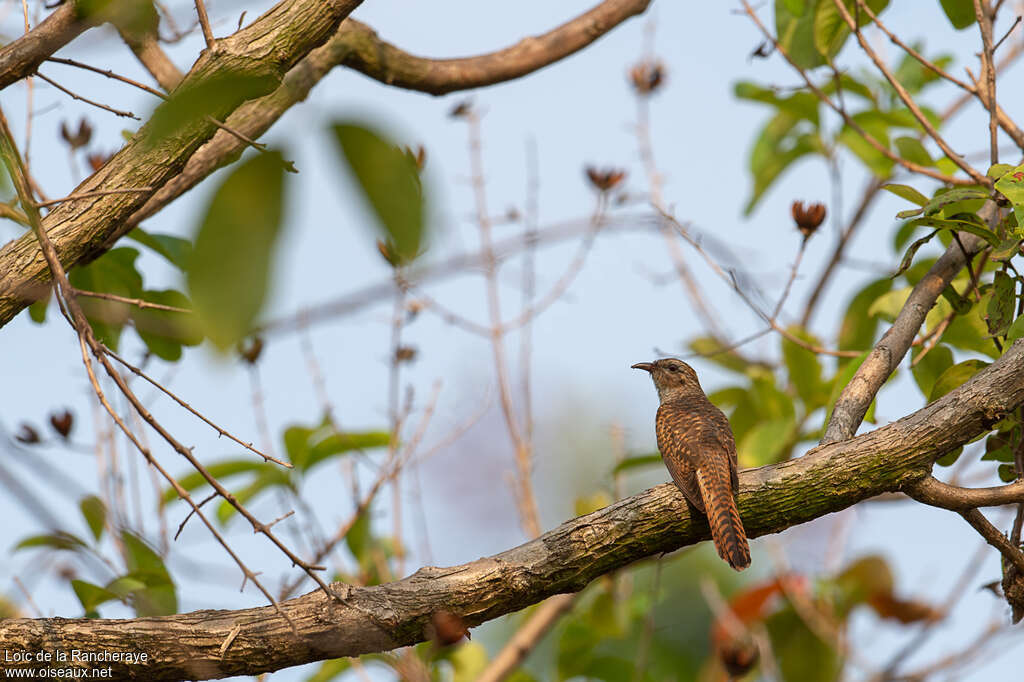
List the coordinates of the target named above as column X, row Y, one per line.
column 62, row 423
column 605, row 179
column 808, row 218
column 77, row 139
column 27, row 435
column 647, row 77
column 250, row 350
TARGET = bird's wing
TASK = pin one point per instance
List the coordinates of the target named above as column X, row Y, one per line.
column 675, row 429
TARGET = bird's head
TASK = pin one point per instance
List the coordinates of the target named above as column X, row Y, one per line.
column 671, row 377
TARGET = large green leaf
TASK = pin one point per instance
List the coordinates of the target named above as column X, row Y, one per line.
column 954, row 377
column 176, row 250
column 795, row 33
column 164, row 331
column 158, row 597
column 309, row 445
column 765, row 443
column 112, row 273
column 229, row 272
column 92, row 596
column 805, row 369
column 1001, row 305
column 391, row 184
column 95, row 514
column 1011, row 185
column 831, row 30
column 927, row 370
column 783, row 140
column 857, row 331
column 959, row 12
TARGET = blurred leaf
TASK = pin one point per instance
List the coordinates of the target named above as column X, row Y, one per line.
column 95, row 514
column 960, row 12
column 37, row 309
column 163, row 331
column 950, row 458
column 764, row 443
column 915, row 76
column 220, row 471
column 57, row 540
column 857, row 331
column 307, row 446
column 800, row 653
column 842, row 377
column 1016, row 330
column 805, row 369
column 176, row 250
column 877, row 162
column 801, row 104
column 137, row 18
column 92, row 596
column 713, row 350
column 969, row 332
column 468, row 661
column 906, row 192
column 999, row 313
column 911, row 149
column 781, row 142
column 930, row 367
column 271, row 476
column 637, row 462
column 795, row 35
column 329, row 670
column 591, row 503
column 1007, row 473
column 954, row 377
column 831, row 30
column 888, row 305
column 158, row 598
column 215, row 95
column 390, row 182
column 229, row 272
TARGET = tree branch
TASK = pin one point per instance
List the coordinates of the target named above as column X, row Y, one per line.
column 263, row 52
column 21, row 57
column 383, row 617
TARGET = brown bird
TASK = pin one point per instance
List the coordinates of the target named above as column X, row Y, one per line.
column 698, row 447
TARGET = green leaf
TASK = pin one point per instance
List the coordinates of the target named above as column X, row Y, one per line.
column 805, row 369
column 927, row 371
column 176, row 250
column 908, row 257
column 219, row 470
column 95, row 514
column 877, row 162
column 998, row 170
column 92, row 596
column 841, row 379
column 906, row 192
column 950, row 458
column 229, row 272
column 857, row 331
column 959, row 12
column 713, row 350
column 359, row 538
column 999, row 313
column 1011, row 185
column 831, row 30
column 271, row 476
column 954, row 377
column 969, row 332
column 911, row 149
column 765, row 443
column 307, row 446
column 37, row 309
column 795, row 35
column 391, row 185
column 57, row 540
column 888, row 305
column 163, row 331
column 137, row 18
column 637, row 462
column 948, row 202
column 1016, row 330
column 803, row 105
column 781, row 143
column 112, row 273
column 159, row 597
column 959, row 225
column 330, row 670
column 186, row 112
column 591, row 503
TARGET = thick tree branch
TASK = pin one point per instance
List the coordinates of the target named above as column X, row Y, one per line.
column 938, row 494
column 371, row 619
column 21, row 57
column 262, row 53
column 388, row 64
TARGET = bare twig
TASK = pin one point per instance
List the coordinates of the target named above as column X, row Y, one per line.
column 118, row 112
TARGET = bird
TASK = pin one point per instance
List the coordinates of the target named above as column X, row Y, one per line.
column 699, row 450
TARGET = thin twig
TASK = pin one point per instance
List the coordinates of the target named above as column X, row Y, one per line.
column 204, row 22
column 118, row 112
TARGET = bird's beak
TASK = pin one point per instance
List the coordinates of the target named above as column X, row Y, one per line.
column 645, row 366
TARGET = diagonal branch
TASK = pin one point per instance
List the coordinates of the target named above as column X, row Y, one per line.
column 20, row 58
column 383, row 617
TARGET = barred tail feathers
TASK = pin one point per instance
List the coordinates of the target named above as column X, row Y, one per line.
column 726, row 527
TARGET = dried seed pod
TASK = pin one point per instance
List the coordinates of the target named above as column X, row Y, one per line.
column 405, row 354
column 251, row 349
column 27, row 434
column 605, row 179
column 77, row 139
column 62, row 423
column 808, row 218
column 462, row 109
column 647, row 77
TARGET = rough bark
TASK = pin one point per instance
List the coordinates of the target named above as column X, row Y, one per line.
column 21, row 57
column 214, row 644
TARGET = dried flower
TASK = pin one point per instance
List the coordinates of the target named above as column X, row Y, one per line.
column 405, row 354
column 605, row 179
column 808, row 218
column 62, row 423
column 97, row 159
column 78, row 139
column 647, row 76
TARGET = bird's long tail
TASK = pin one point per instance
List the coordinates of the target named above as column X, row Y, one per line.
column 726, row 527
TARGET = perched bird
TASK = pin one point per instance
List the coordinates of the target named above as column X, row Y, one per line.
column 698, row 447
